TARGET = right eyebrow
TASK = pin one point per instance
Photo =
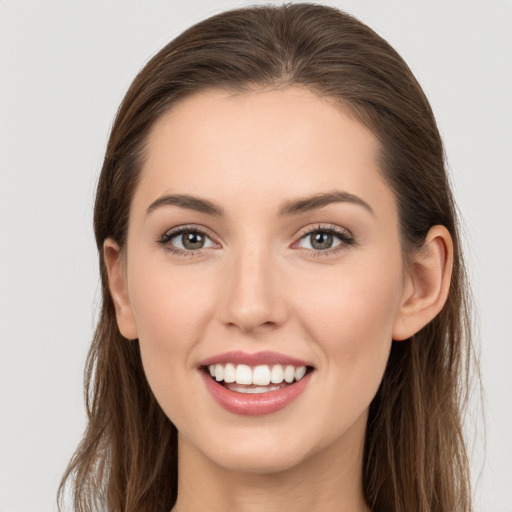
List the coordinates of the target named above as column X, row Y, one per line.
column 317, row 201
column 189, row 202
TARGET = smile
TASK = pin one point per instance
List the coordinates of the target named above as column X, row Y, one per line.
column 249, row 388
column 260, row 379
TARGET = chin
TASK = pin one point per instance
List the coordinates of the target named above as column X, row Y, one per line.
column 269, row 447
column 259, row 458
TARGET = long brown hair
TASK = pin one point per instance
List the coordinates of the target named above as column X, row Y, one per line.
column 414, row 457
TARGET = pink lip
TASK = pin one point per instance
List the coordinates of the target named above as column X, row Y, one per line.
column 239, row 357
column 257, row 404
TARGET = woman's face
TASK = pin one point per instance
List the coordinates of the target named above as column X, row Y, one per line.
column 262, row 236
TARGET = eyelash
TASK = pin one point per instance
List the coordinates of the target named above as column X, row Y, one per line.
column 169, row 235
column 345, row 237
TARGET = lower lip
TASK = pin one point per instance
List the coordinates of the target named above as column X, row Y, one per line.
column 255, row 404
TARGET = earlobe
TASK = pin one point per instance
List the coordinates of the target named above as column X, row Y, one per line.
column 119, row 289
column 428, row 284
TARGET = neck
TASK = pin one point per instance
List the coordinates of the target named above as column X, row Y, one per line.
column 328, row 481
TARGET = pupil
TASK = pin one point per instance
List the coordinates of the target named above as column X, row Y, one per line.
column 193, row 240
column 321, row 240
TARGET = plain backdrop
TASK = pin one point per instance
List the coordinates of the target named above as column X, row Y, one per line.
column 64, row 68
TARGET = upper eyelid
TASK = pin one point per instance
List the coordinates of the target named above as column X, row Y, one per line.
column 303, row 232
column 188, row 227
column 329, row 228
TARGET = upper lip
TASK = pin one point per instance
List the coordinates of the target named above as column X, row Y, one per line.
column 254, row 359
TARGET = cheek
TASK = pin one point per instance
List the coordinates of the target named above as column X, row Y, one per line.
column 166, row 302
column 349, row 316
column 170, row 311
column 344, row 303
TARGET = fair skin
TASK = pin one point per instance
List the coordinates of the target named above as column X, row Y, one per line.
column 258, row 280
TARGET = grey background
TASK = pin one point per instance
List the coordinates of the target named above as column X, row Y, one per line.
column 64, row 67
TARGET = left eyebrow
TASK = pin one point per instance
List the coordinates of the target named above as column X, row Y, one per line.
column 317, row 201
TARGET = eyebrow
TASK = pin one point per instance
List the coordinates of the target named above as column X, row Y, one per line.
column 288, row 209
column 317, row 201
column 189, row 202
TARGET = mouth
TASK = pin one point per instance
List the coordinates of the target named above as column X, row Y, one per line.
column 255, row 384
column 263, row 378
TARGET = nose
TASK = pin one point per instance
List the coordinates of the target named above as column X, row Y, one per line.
column 252, row 295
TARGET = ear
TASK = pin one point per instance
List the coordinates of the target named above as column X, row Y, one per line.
column 119, row 289
column 427, row 284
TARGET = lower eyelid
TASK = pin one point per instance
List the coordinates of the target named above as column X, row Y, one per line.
column 326, row 253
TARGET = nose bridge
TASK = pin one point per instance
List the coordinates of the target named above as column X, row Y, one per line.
column 251, row 297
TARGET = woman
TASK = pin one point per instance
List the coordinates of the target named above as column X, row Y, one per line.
column 284, row 319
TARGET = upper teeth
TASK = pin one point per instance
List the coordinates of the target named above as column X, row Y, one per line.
column 261, row 375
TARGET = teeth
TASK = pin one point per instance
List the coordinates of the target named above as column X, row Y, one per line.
column 262, row 375
column 289, row 373
column 219, row 372
column 253, row 390
column 229, row 373
column 277, row 374
column 300, row 372
column 243, row 374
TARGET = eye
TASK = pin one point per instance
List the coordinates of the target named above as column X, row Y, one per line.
column 325, row 238
column 186, row 240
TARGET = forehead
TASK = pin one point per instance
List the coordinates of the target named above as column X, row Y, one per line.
column 263, row 145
